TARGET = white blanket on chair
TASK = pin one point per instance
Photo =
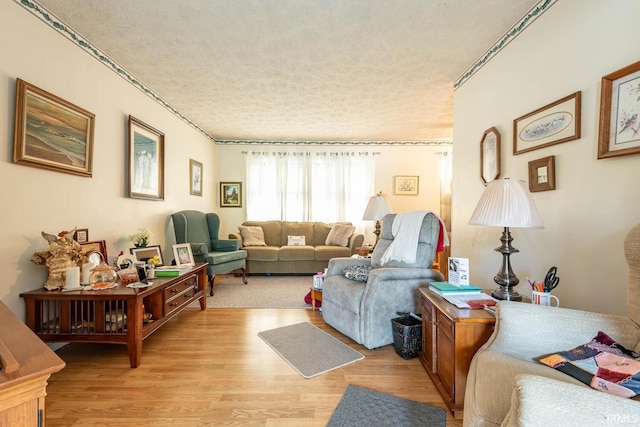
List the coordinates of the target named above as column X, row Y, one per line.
column 406, row 231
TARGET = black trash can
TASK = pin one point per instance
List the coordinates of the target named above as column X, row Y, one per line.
column 407, row 335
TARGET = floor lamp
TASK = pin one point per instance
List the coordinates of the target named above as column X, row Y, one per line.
column 376, row 209
column 506, row 203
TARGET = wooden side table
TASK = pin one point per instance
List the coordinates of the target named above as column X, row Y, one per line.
column 450, row 338
column 316, row 295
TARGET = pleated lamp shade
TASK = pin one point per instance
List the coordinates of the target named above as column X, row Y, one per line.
column 506, row 203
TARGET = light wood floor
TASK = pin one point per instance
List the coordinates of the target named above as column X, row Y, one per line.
column 206, row 368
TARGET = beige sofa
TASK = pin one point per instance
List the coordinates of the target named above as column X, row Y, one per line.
column 506, row 386
column 277, row 256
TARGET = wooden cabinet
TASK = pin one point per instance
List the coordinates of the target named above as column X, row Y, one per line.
column 114, row 315
column 26, row 363
column 450, row 338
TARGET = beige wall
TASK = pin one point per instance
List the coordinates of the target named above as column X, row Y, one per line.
column 35, row 200
column 596, row 202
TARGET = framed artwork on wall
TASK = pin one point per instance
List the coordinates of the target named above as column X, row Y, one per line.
column 542, row 174
column 195, row 178
column 51, row 133
column 619, row 108
column 552, row 124
column 490, row 155
column 146, row 161
column 405, row 185
column 230, row 194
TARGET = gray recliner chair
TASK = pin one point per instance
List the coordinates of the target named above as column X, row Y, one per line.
column 363, row 310
column 201, row 231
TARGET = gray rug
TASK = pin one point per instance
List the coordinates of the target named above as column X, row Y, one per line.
column 308, row 349
column 261, row 292
column 367, row 408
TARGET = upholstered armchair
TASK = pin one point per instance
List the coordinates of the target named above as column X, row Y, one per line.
column 201, row 231
column 507, row 386
column 362, row 310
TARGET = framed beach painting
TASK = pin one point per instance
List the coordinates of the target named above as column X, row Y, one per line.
column 146, row 161
column 619, row 108
column 552, row 124
column 52, row 133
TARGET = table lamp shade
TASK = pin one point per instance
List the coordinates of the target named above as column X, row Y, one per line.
column 377, row 208
column 506, row 203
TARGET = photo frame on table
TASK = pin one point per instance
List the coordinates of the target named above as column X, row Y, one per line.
column 143, row 254
column 490, row 155
column 230, row 194
column 542, row 174
column 146, row 161
column 195, row 178
column 95, row 246
column 51, row 133
column 81, row 235
column 619, row 109
column 183, row 255
column 552, row 124
column 405, row 185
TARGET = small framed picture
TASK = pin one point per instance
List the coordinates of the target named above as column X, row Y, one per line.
column 230, row 194
column 95, row 246
column 82, row 235
column 542, row 174
column 195, row 178
column 183, row 255
column 144, row 254
column 405, row 185
column 490, row 155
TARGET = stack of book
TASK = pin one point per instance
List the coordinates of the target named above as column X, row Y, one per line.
column 169, row 271
column 446, row 288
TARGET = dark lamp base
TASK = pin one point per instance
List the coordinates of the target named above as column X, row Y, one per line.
column 506, row 295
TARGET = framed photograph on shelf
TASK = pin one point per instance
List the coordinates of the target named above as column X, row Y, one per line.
column 51, row 133
column 81, row 235
column 619, row 108
column 542, row 174
column 145, row 253
column 146, row 161
column 490, row 155
column 95, row 246
column 404, row 185
column 195, row 178
column 182, row 255
column 230, row 194
column 552, row 124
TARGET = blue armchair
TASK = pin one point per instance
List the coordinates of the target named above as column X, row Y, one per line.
column 201, row 231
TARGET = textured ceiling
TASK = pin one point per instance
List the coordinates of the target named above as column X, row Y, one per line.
column 299, row 70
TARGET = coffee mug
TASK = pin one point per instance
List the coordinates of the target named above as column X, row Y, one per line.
column 543, row 298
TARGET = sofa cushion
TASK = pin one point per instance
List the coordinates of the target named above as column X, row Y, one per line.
column 339, row 235
column 296, row 253
column 252, row 236
column 262, row 253
column 320, row 232
column 325, row 253
column 602, row 363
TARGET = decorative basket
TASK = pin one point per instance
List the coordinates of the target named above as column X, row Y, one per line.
column 407, row 336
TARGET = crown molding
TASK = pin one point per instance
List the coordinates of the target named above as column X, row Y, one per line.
column 333, row 143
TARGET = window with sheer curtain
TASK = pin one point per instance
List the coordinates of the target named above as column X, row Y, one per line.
column 308, row 186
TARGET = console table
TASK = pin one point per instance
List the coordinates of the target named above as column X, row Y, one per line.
column 114, row 315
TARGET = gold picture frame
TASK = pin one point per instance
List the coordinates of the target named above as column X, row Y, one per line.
column 146, row 161
column 405, row 185
column 51, row 133
column 490, row 155
column 195, row 178
column 230, row 194
column 552, row 124
column 542, row 174
column 619, row 109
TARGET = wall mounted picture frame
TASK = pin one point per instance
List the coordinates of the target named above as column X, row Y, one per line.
column 490, row 155
column 619, row 108
column 405, row 185
column 81, row 235
column 230, row 194
column 183, row 255
column 195, row 178
column 95, row 246
column 542, row 174
column 146, row 161
column 51, row 133
column 552, row 124
column 143, row 254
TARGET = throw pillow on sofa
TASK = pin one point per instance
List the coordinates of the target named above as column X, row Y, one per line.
column 339, row 235
column 252, row 236
column 602, row 363
column 359, row 273
column 295, row 241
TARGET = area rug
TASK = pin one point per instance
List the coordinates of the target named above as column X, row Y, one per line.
column 308, row 349
column 362, row 407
